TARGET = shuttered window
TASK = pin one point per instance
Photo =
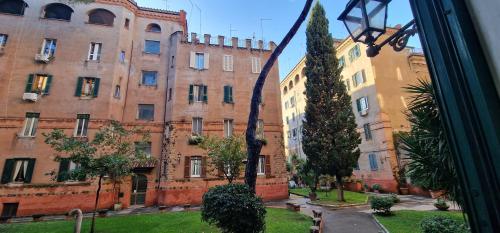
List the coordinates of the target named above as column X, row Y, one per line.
column 18, row 170
column 38, row 83
column 196, row 166
column 67, row 171
column 198, row 93
column 256, row 65
column 227, row 63
column 358, row 78
column 373, row 162
column 228, row 94
column 87, row 87
column 368, row 132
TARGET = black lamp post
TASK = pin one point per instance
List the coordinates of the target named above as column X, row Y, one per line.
column 366, row 21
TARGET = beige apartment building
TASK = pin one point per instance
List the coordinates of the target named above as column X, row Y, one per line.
column 378, row 102
column 77, row 67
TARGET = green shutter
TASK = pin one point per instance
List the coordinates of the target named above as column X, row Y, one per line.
column 29, row 84
column 8, row 168
column 47, row 85
column 29, row 171
column 205, row 94
column 226, row 94
column 231, row 94
column 62, row 175
column 358, row 104
column 96, row 86
column 191, row 95
column 79, row 85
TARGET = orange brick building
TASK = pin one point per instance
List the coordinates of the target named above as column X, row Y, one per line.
column 78, row 67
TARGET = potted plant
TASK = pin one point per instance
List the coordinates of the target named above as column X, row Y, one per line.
column 441, row 204
column 195, row 139
column 366, row 187
column 376, row 188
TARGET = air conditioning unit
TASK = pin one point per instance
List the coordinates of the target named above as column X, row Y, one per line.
column 363, row 112
column 30, row 97
column 42, row 58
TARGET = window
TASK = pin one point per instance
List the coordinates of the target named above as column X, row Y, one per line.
column 82, row 125
column 228, row 94
column 294, row 133
column 297, row 78
column 198, row 93
column 18, row 170
column 38, row 83
column 228, row 128
column 30, row 124
column 286, row 104
column 169, row 94
column 227, row 63
column 342, row 62
column 127, row 23
column 287, row 120
column 153, row 28
column 348, row 84
column 197, row 125
column 58, row 11
column 146, row 112
column 373, row 162
column 368, row 132
column 95, row 51
column 117, row 92
column 67, row 169
column 152, row 47
column 101, row 17
column 256, row 65
column 122, row 57
column 149, row 78
column 87, row 87
column 290, row 85
column 358, row 78
column 172, row 62
column 143, row 148
column 9, row 210
column 196, row 166
column 293, row 117
column 354, row 53
column 15, row 7
column 48, row 48
column 3, row 40
column 285, row 90
column 362, row 104
column 261, row 168
column 292, row 101
column 260, row 129
column 200, row 61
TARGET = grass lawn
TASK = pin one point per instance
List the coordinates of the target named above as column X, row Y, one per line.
column 404, row 221
column 277, row 220
column 331, row 197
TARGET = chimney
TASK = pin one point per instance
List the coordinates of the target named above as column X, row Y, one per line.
column 248, row 43
column 261, row 45
column 221, row 41
column 234, row 42
column 207, row 39
column 272, row 45
column 194, row 40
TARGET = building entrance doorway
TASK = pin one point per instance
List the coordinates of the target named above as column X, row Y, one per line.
column 139, row 187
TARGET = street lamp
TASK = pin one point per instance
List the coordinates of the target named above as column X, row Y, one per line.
column 366, row 21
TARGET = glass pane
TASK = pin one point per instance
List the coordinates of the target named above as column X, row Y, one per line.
column 376, row 11
column 354, row 20
column 152, row 47
column 149, row 78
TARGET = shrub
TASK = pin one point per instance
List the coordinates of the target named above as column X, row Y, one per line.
column 233, row 208
column 395, row 198
column 442, row 224
column 376, row 187
column 195, row 140
column 441, row 204
column 382, row 205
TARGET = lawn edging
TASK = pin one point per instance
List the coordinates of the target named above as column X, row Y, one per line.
column 339, row 206
column 379, row 224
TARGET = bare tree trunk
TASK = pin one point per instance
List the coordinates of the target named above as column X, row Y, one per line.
column 340, row 189
column 92, row 228
column 254, row 146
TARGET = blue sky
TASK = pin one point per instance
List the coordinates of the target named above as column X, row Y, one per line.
column 217, row 17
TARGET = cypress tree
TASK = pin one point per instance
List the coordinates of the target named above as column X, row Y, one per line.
column 330, row 138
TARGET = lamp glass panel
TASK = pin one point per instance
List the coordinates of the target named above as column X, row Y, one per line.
column 376, row 11
column 354, row 20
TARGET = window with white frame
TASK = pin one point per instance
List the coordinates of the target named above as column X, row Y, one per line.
column 362, row 104
column 341, row 62
column 20, row 172
column 358, row 78
column 354, row 53
column 48, row 47
column 256, row 65
column 82, row 125
column 3, row 40
column 227, row 63
column 200, row 61
column 289, row 134
column 196, row 166
column 197, row 126
column 348, row 84
column 368, row 132
column 260, row 129
column 30, row 124
column 228, row 128
column 261, row 167
column 95, row 51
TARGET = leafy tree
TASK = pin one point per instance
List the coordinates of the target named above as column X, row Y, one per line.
column 111, row 153
column 226, row 155
column 330, row 138
column 431, row 164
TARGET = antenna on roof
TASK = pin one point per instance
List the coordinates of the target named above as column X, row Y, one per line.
column 262, row 27
column 166, row 4
column 199, row 9
column 231, row 30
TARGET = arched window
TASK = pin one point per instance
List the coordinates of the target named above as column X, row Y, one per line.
column 153, row 28
column 58, row 11
column 290, row 85
column 285, row 90
column 303, row 72
column 102, row 17
column 15, row 7
column 296, row 79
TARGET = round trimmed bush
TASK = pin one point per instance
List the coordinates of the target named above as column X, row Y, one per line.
column 442, row 224
column 233, row 208
column 382, row 205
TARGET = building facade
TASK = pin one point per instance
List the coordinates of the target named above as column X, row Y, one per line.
column 77, row 67
column 378, row 102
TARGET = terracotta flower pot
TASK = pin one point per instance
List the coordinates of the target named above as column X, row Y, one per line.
column 403, row 191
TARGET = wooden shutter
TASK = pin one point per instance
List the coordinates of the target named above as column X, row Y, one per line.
column 268, row 165
column 230, row 63
column 29, row 83
column 8, row 168
column 29, row 170
column 230, row 94
column 79, row 85
column 187, row 167
column 358, row 105
column 203, row 167
column 192, row 61
column 62, row 174
column 206, row 60
column 205, row 94
column 226, row 94
column 191, row 94
column 47, row 85
column 96, row 86
column 366, row 102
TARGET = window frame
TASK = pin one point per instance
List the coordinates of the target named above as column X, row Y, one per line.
column 256, row 65
column 228, row 63
column 368, row 132
column 144, row 72
column 140, row 112
column 3, row 41
column 95, row 51
column 197, row 126
column 30, row 124
column 145, row 147
column 49, row 47
column 260, row 129
column 195, row 166
column 261, row 165
column 83, row 128
column 373, row 162
column 71, row 11
column 109, row 24
column 117, row 92
column 92, row 91
column 157, row 45
column 199, row 61
column 228, row 128
column 24, row 6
